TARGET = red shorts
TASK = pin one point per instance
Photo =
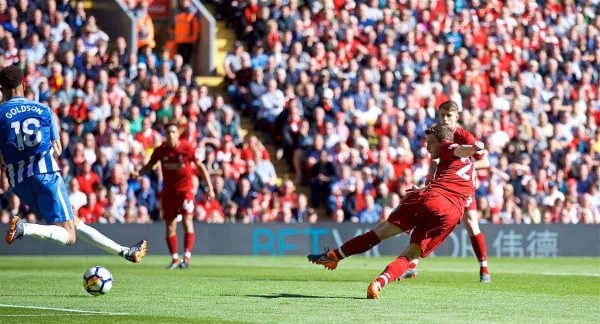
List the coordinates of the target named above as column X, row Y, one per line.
column 175, row 203
column 429, row 215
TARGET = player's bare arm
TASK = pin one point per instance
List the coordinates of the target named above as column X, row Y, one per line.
column 146, row 168
column 56, row 149
column 432, row 168
column 465, row 151
column 1, row 166
column 56, row 145
column 206, row 177
column 482, row 163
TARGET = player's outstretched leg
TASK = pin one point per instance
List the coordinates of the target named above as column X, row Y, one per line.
column 411, row 272
column 93, row 237
column 17, row 229
column 328, row 259
column 359, row 244
column 136, row 252
column 393, row 270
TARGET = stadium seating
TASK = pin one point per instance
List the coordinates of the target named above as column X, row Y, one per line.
column 343, row 91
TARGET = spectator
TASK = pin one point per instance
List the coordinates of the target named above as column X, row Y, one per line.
column 323, row 174
column 271, row 104
column 87, row 179
column 144, row 26
column 146, row 197
column 371, row 213
column 77, row 197
column 186, row 30
column 91, row 212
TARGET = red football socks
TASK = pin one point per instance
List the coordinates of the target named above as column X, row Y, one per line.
column 393, row 270
column 172, row 244
column 359, row 244
column 190, row 238
column 479, row 247
column 412, row 265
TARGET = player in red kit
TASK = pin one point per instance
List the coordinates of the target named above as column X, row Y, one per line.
column 431, row 214
column 448, row 114
column 176, row 158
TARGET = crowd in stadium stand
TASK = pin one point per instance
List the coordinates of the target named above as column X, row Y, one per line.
column 345, row 88
column 349, row 87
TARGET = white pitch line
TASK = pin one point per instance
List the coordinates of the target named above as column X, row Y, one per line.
column 62, row 309
column 45, row 315
column 526, row 273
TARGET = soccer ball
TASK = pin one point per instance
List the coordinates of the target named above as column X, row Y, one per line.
column 97, row 280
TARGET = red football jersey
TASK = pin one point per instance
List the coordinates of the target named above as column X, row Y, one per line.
column 464, row 137
column 455, row 177
column 176, row 164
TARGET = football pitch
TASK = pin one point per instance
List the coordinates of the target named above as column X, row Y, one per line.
column 290, row 290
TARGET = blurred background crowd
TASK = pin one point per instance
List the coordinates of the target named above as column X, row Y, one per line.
column 344, row 91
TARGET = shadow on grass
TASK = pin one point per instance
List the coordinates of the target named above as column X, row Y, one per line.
column 284, row 295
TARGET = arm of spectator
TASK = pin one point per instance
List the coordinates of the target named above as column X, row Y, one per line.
column 237, row 139
column 212, row 141
column 228, row 71
column 195, row 30
column 503, row 175
column 150, row 26
column 103, row 36
column 519, row 167
column 272, row 175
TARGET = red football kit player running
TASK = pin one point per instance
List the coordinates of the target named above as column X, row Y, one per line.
column 431, row 214
column 449, row 115
column 176, row 158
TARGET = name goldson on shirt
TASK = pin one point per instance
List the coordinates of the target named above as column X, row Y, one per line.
column 21, row 109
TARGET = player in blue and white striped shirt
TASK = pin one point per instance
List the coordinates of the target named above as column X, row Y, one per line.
column 28, row 150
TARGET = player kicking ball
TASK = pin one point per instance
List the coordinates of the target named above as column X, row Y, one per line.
column 431, row 214
column 448, row 114
column 176, row 158
column 28, row 150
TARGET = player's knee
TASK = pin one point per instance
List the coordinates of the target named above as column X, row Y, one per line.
column 188, row 228
column 472, row 220
column 386, row 230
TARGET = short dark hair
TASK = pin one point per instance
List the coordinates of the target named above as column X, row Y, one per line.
column 449, row 105
column 441, row 132
column 11, row 77
column 171, row 124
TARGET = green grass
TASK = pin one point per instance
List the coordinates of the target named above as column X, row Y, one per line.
column 289, row 289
